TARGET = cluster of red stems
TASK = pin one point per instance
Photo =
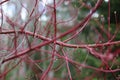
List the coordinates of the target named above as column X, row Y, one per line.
column 25, row 39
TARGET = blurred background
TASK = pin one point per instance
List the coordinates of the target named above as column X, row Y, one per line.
column 37, row 16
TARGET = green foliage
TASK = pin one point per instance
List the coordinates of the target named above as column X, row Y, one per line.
column 84, row 57
column 76, row 4
column 81, row 55
column 114, row 6
column 30, row 76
